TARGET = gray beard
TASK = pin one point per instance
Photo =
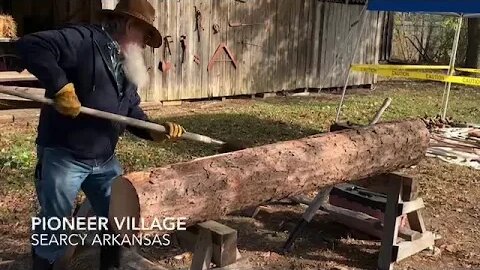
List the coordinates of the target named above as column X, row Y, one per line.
column 134, row 66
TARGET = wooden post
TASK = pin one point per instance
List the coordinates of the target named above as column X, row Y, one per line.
column 402, row 200
column 108, row 4
column 390, row 230
column 210, row 241
column 202, row 256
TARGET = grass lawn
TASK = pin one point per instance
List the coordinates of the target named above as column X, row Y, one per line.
column 256, row 121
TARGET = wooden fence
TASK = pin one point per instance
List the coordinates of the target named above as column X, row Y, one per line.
column 294, row 44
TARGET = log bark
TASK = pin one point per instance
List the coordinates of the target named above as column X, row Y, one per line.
column 211, row 187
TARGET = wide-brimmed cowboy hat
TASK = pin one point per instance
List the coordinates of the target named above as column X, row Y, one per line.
column 143, row 11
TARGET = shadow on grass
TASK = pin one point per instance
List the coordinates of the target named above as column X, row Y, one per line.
column 245, row 127
column 319, row 241
column 252, row 131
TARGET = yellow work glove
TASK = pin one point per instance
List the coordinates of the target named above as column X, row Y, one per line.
column 66, row 101
column 173, row 131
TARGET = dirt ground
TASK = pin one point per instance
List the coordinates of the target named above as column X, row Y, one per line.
column 452, row 211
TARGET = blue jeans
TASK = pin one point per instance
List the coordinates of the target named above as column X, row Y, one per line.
column 59, row 177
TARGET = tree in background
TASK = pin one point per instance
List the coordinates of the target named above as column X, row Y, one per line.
column 473, row 48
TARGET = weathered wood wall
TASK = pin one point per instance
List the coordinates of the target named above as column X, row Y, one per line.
column 295, row 44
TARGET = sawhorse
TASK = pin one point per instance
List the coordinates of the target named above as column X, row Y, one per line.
column 397, row 244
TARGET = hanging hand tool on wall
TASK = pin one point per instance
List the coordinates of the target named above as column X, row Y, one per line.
column 166, row 65
column 238, row 24
column 198, row 22
column 216, row 28
column 221, row 47
column 183, row 44
column 196, row 59
column 244, row 43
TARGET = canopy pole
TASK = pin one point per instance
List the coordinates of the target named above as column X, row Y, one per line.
column 451, row 70
column 349, row 72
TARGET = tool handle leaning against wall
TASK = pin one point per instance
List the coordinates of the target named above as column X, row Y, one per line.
column 19, row 92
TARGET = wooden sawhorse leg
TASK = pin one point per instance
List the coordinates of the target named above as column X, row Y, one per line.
column 211, row 242
column 402, row 200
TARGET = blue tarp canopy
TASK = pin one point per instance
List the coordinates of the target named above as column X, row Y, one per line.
column 466, row 7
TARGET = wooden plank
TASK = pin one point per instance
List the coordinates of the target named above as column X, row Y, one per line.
column 355, row 23
column 334, row 37
column 412, row 206
column 228, row 68
column 408, row 248
column 243, row 34
column 109, row 4
column 311, row 6
column 408, row 234
column 289, row 69
column 216, row 74
column 230, row 41
column 169, row 78
column 364, row 43
column 302, row 44
column 224, row 240
column 340, row 40
column 176, row 89
column 30, row 91
column 204, row 46
column 193, row 73
column 415, row 220
column 171, row 75
column 151, row 61
column 272, row 46
column 12, row 76
column 183, row 68
column 161, row 92
column 356, row 220
column 258, row 47
column 202, row 255
column 316, row 38
column 16, row 115
column 296, row 43
column 378, row 40
column 248, row 50
column 342, row 49
column 392, row 222
column 325, row 59
column 281, row 25
column 409, row 189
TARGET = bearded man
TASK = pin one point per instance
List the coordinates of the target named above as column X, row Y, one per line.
column 97, row 66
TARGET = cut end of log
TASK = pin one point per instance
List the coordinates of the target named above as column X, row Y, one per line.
column 124, row 204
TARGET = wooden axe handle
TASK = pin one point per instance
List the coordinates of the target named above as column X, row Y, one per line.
column 22, row 93
column 380, row 112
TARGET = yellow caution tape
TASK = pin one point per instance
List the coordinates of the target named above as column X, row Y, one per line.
column 407, row 67
column 418, row 67
column 416, row 75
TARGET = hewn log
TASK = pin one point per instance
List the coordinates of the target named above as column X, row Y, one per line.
column 211, row 187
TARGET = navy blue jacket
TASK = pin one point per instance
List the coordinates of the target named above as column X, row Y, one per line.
column 85, row 56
